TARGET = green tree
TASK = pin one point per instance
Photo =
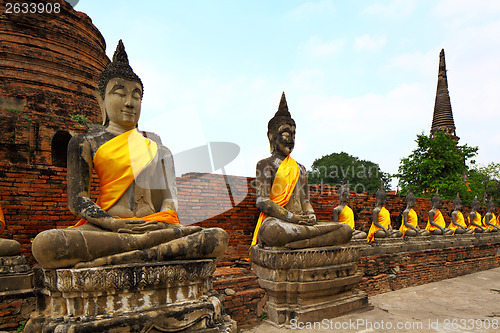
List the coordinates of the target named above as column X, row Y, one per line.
column 438, row 163
column 486, row 178
column 361, row 175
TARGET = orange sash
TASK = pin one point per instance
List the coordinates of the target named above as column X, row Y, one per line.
column 347, row 216
column 493, row 221
column 284, row 183
column 460, row 220
column 2, row 220
column 476, row 220
column 117, row 163
column 438, row 219
column 412, row 219
column 384, row 219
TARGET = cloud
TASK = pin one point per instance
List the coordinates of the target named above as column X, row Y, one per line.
column 426, row 63
column 317, row 47
column 460, row 12
column 393, row 8
column 370, row 43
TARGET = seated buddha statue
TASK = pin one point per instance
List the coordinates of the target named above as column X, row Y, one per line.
column 490, row 221
column 344, row 214
column 475, row 218
column 8, row 247
column 287, row 218
column 381, row 219
column 409, row 226
column 135, row 216
column 436, row 223
column 457, row 223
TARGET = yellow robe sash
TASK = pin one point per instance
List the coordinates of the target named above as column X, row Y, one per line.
column 284, row 183
column 476, row 220
column 412, row 219
column 438, row 219
column 117, row 163
column 2, row 220
column 493, row 221
column 384, row 219
column 347, row 216
column 460, row 220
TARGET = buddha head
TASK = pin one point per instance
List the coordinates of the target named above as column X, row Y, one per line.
column 437, row 202
column 490, row 206
column 120, row 91
column 344, row 193
column 457, row 203
column 475, row 203
column 380, row 195
column 281, row 130
column 411, row 200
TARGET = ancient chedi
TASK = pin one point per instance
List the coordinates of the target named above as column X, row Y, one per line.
column 298, row 260
column 49, row 69
column 442, row 119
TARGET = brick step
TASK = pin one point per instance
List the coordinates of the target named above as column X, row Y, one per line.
column 236, row 278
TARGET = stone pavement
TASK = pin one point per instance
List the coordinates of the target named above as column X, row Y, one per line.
column 469, row 303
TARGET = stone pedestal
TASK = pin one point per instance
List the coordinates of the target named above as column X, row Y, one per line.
column 15, row 274
column 309, row 284
column 175, row 296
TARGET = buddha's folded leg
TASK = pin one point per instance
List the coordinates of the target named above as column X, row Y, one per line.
column 339, row 236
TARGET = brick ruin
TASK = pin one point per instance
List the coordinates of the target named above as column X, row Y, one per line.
column 48, row 74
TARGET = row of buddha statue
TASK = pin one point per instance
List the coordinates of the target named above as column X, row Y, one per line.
column 135, row 216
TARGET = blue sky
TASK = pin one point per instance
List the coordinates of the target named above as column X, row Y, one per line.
column 359, row 76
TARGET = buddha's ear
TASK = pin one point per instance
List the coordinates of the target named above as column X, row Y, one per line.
column 100, row 100
column 270, row 137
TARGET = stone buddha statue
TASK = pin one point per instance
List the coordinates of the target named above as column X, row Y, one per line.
column 490, row 221
column 135, row 216
column 8, row 247
column 381, row 219
column 457, row 223
column 409, row 227
column 287, row 218
column 344, row 214
column 475, row 218
column 436, row 223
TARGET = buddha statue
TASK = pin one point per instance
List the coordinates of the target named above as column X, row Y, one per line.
column 344, row 214
column 457, row 223
column 8, row 247
column 409, row 226
column 436, row 223
column 287, row 218
column 135, row 216
column 475, row 218
column 490, row 221
column 381, row 219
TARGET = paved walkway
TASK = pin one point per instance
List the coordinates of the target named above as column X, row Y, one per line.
column 469, row 303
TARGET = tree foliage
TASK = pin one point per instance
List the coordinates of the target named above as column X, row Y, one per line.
column 486, row 181
column 438, row 163
column 361, row 175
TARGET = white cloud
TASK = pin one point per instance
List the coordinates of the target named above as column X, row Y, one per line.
column 392, row 8
column 459, row 12
column 371, row 43
column 420, row 62
column 317, row 47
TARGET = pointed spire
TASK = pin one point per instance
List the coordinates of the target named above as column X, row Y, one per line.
column 442, row 119
column 283, row 107
column 281, row 116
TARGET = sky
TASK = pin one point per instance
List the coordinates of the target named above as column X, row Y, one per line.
column 359, row 76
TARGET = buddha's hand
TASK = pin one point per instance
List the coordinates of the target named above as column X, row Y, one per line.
column 306, row 219
column 135, row 226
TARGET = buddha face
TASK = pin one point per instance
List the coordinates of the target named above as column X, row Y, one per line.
column 285, row 139
column 122, row 102
column 458, row 205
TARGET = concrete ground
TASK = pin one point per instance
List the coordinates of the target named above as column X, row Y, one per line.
column 469, row 303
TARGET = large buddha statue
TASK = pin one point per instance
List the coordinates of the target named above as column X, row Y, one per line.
column 457, row 223
column 381, row 219
column 436, row 223
column 409, row 226
column 135, row 216
column 344, row 214
column 490, row 221
column 8, row 247
column 287, row 218
column 475, row 218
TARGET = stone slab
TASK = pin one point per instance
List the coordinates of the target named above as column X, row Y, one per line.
column 16, row 282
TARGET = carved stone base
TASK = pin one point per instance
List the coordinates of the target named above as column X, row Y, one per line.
column 309, row 284
column 174, row 296
column 15, row 274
